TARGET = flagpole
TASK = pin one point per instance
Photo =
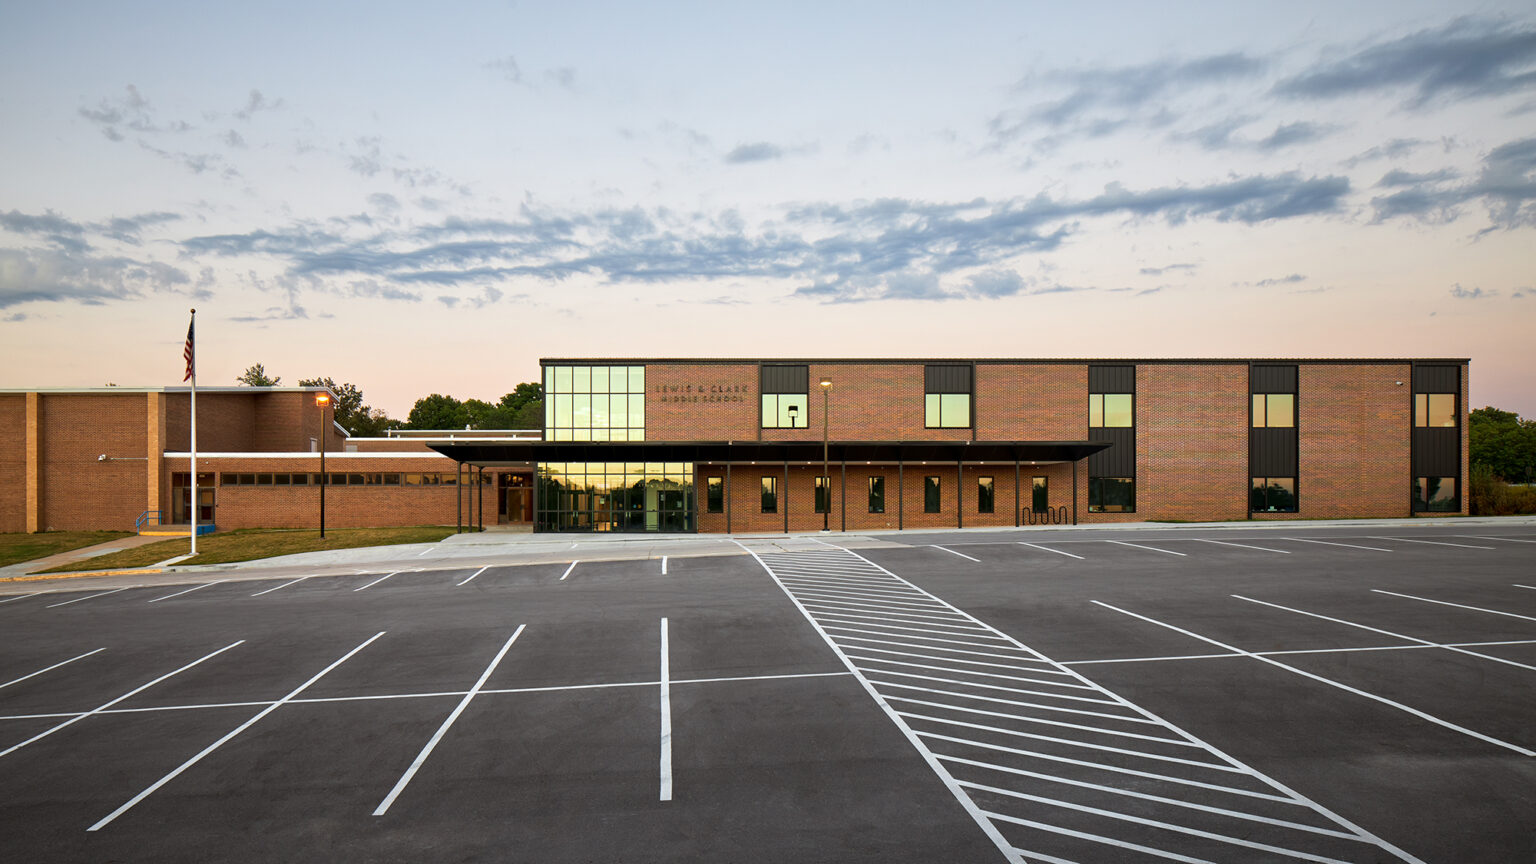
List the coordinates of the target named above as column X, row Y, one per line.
column 192, row 371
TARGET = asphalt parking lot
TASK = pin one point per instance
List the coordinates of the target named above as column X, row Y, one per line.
column 1351, row 694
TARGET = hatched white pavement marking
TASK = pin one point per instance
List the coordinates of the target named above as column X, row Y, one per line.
column 1457, row 605
column 1332, row 683
column 442, row 730
column 1147, row 756
column 107, row 820
column 50, row 668
column 88, row 596
column 104, row 706
column 187, row 591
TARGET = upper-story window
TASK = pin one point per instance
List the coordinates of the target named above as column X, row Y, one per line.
column 1434, row 409
column 594, row 403
column 947, row 397
column 1111, row 409
column 784, row 390
column 1274, row 410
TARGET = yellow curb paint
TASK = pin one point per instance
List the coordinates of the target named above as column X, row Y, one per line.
column 77, row 574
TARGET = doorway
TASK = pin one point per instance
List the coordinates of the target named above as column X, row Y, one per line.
column 514, row 498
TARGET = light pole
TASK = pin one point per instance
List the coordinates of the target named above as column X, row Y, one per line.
column 826, row 473
column 323, row 400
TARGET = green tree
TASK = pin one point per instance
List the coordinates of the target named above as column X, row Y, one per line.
column 437, row 412
column 357, row 418
column 1503, row 443
column 256, row 376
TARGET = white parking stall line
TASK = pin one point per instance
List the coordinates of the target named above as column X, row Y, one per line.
column 1429, row 542
column 473, row 575
column 442, row 730
column 87, row 597
column 666, row 716
column 1331, row 543
column 953, row 552
column 105, row 705
column 1482, row 537
column 1049, row 549
column 284, row 585
column 569, row 569
column 1527, row 587
column 1457, row 605
column 1150, row 548
column 50, row 668
column 1239, row 545
column 1331, row 683
column 108, row 819
column 1423, row 643
column 19, row 597
column 663, row 565
column 188, row 591
column 375, row 582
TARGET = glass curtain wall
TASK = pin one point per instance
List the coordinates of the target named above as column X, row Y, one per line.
column 615, row 496
column 594, row 403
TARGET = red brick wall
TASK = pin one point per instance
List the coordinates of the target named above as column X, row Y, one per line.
column 247, row 421
column 1031, row 402
column 693, row 402
column 13, row 462
column 1192, row 442
column 78, row 491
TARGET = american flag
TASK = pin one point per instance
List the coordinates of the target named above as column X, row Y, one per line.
column 189, row 353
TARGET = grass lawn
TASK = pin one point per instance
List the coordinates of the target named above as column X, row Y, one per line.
column 255, row 543
column 16, row 548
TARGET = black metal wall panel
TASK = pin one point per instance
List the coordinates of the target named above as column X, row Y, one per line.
column 1272, row 452
column 1437, row 379
column 784, row 379
column 1436, row 452
column 1117, row 461
column 1272, row 379
column 1112, row 379
column 947, row 379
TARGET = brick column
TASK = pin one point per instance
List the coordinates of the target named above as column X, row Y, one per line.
column 154, row 438
column 34, row 499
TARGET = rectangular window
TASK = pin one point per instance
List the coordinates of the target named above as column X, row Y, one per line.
column 1435, row 495
column 947, row 397
column 785, row 393
column 714, row 494
column 877, row 494
column 1273, row 495
column 1111, row 409
column 931, row 494
column 1041, row 496
column 1111, row 495
column 823, row 495
column 594, row 403
column 1274, row 410
column 785, row 411
column 984, row 497
column 770, row 494
column 1434, row 409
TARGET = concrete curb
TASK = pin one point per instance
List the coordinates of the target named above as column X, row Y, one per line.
column 38, row 577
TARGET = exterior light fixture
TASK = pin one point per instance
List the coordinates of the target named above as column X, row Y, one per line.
column 323, row 401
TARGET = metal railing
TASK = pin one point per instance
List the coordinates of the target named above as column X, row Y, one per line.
column 144, row 520
column 1048, row 516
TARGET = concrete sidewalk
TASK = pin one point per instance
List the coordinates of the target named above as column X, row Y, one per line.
column 81, row 555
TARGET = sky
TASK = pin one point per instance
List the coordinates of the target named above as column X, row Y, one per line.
column 417, row 199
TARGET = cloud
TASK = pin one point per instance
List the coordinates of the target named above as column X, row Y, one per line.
column 233, row 139
column 1466, row 58
column 1390, row 150
column 1136, row 86
column 1283, row 280
column 1158, row 271
column 760, row 151
column 508, row 68
column 995, row 283
column 1291, row 134
column 17, row 317
column 257, row 102
column 1506, row 182
column 564, row 76
column 366, row 160
column 384, row 201
column 52, row 276
column 1461, row 293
